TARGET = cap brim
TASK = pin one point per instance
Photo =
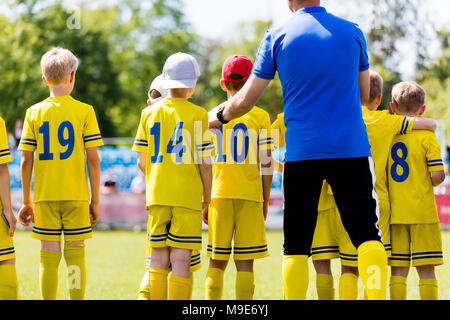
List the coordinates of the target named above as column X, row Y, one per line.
column 178, row 84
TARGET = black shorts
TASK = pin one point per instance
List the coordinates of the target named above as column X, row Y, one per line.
column 352, row 181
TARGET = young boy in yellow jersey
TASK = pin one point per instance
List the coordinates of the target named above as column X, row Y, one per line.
column 65, row 135
column 415, row 167
column 324, row 245
column 382, row 128
column 8, row 275
column 174, row 150
column 155, row 94
column 240, row 191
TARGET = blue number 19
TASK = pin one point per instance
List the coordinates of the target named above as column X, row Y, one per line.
column 69, row 142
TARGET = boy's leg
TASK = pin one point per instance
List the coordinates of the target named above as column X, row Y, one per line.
column 245, row 279
column 428, row 284
column 158, row 273
column 144, row 290
column 49, row 265
column 348, row 283
column 352, row 181
column 397, row 283
column 74, row 255
column 324, row 279
column 180, row 279
column 9, row 287
column 214, row 279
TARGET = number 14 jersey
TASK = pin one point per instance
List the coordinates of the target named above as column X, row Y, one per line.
column 59, row 129
column 412, row 158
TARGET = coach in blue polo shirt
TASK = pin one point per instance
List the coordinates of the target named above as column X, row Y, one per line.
column 323, row 67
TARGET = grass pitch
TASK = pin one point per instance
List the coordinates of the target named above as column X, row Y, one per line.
column 116, row 264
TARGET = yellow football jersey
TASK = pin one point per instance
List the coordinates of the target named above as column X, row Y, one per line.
column 59, row 129
column 412, row 158
column 5, row 154
column 236, row 168
column 326, row 200
column 382, row 128
column 174, row 134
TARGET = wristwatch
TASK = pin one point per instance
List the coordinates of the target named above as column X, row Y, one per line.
column 220, row 115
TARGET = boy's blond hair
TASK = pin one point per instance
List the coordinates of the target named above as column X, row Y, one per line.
column 57, row 65
column 376, row 85
column 408, row 96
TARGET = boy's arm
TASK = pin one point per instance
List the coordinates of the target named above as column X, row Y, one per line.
column 425, row 124
column 93, row 165
column 206, row 176
column 437, row 177
column 5, row 197
column 141, row 161
column 26, row 213
column 267, row 176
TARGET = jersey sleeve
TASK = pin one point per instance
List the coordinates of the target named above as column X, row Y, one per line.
column 28, row 141
column 402, row 124
column 91, row 133
column 364, row 64
column 265, row 65
column 5, row 153
column 204, row 143
column 265, row 139
column 433, row 155
column 140, row 144
column 278, row 132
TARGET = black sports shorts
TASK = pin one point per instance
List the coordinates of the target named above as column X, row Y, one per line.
column 352, row 181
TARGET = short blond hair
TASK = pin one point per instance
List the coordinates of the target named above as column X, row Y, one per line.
column 57, row 64
column 376, row 85
column 408, row 96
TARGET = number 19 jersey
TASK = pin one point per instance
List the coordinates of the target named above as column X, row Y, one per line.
column 59, row 129
column 174, row 135
column 412, row 158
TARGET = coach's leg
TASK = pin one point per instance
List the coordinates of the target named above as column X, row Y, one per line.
column 302, row 183
column 48, row 271
column 352, row 181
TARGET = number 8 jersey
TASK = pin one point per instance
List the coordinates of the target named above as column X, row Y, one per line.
column 59, row 129
column 412, row 158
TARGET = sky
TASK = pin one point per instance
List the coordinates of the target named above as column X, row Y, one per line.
column 217, row 19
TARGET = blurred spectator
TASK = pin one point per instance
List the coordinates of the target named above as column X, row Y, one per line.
column 138, row 184
column 18, row 132
column 12, row 142
column 109, row 184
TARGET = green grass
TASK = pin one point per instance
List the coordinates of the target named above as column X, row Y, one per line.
column 116, row 264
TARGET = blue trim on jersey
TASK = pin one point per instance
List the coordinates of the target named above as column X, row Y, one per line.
column 78, row 229
column 92, row 135
column 253, row 251
column 30, row 144
column 94, row 139
column 246, row 248
column 7, row 249
column 44, row 229
column 5, row 253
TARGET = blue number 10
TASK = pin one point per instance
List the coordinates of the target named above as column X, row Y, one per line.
column 69, row 142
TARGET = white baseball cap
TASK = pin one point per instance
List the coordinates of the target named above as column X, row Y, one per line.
column 157, row 85
column 180, row 71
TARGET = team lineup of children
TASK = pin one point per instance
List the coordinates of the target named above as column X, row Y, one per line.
column 222, row 177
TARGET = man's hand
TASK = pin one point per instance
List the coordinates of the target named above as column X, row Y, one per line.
column 12, row 222
column 26, row 215
column 212, row 118
column 94, row 213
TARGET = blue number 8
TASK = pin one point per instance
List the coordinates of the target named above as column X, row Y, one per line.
column 399, row 161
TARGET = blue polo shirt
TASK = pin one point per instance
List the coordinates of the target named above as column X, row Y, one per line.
column 318, row 57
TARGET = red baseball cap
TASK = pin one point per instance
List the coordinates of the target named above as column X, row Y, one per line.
column 237, row 68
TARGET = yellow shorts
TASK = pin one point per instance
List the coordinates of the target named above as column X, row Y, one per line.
column 6, row 242
column 347, row 251
column 196, row 263
column 52, row 218
column 241, row 221
column 421, row 243
column 175, row 227
column 324, row 244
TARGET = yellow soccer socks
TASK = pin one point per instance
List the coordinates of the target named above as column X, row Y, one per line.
column 397, row 288
column 9, row 287
column 325, row 286
column 428, row 289
column 372, row 267
column 144, row 290
column 158, row 283
column 214, row 284
column 74, row 255
column 295, row 274
column 348, row 287
column 245, row 285
column 48, row 274
column 179, row 288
